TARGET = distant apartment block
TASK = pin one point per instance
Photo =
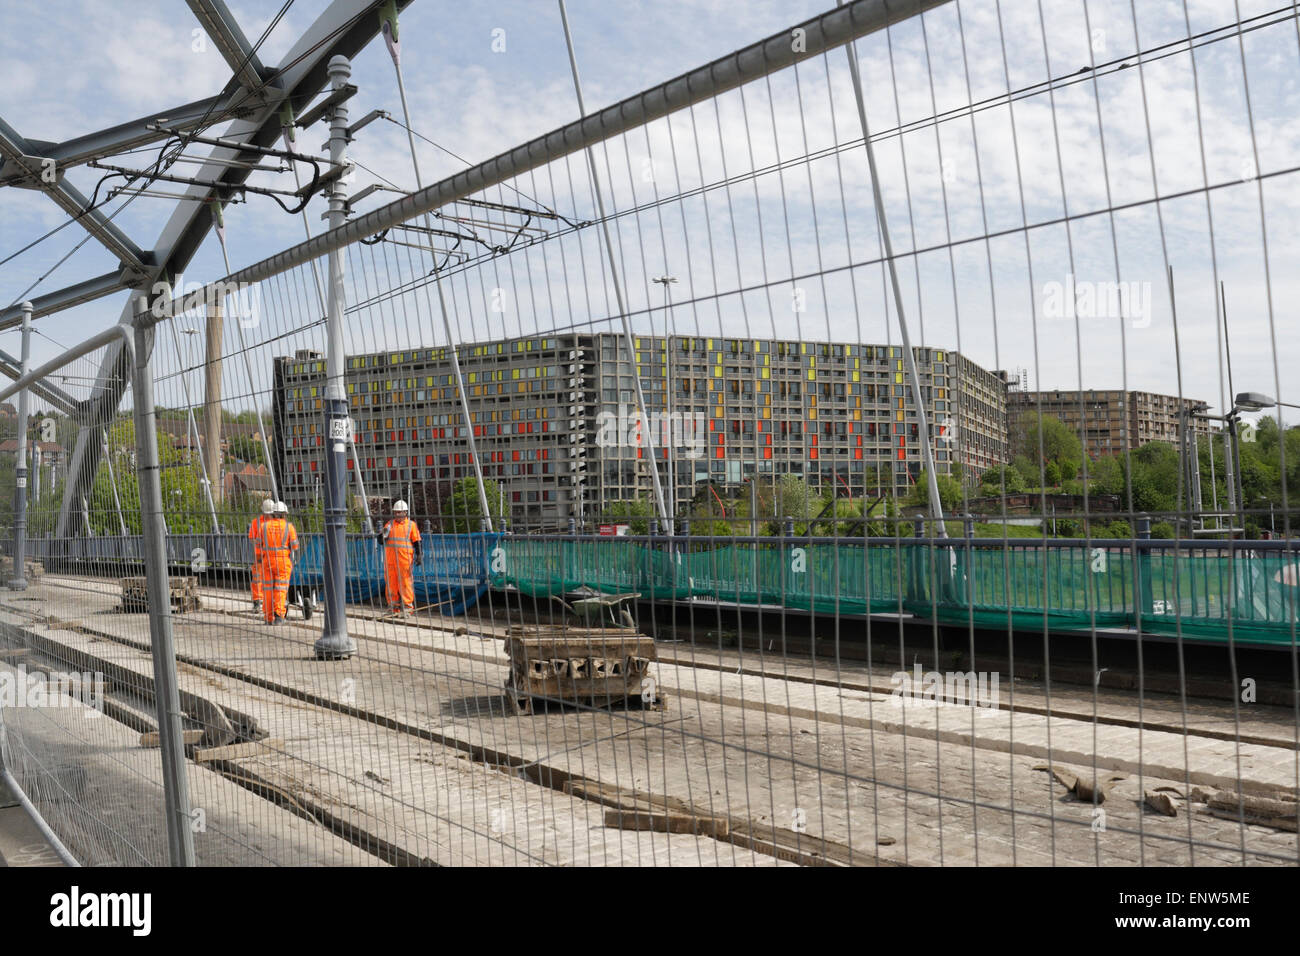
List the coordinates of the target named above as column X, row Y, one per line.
column 555, row 419
column 1110, row 422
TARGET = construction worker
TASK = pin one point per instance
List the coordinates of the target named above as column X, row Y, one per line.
column 279, row 542
column 255, row 536
column 401, row 539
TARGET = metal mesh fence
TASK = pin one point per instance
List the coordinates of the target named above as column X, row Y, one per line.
column 842, row 469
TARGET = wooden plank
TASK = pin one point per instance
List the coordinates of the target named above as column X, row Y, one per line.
column 152, row 739
column 667, row 821
column 234, row 751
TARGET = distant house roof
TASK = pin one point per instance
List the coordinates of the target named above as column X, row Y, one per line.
column 251, row 479
column 178, row 427
column 47, row 447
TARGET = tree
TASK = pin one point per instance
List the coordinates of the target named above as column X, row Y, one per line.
column 464, row 512
column 635, row 513
column 949, row 492
column 1002, row 477
column 1047, row 439
column 246, row 448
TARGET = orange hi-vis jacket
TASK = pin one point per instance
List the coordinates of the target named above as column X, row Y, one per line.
column 279, row 539
column 255, row 536
column 401, row 535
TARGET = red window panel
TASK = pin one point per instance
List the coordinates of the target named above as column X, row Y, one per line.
column 514, row 456
column 767, row 453
column 392, row 436
column 428, row 459
column 902, row 455
column 390, row 463
column 719, row 455
column 812, row 453
column 313, row 466
column 857, row 453
column 401, row 435
column 546, row 426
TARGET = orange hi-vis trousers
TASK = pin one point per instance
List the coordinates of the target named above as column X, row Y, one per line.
column 279, row 541
column 400, row 536
column 255, row 578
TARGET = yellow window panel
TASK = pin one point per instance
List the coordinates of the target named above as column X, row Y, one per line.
column 717, row 371
column 812, row 414
column 767, row 413
column 767, row 373
column 812, row 375
column 857, row 376
column 514, row 373
column 938, row 356
column 718, row 412
column 898, row 378
column 898, row 416
column 857, row 414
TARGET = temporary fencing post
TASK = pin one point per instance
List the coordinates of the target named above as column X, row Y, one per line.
column 19, row 581
column 180, row 840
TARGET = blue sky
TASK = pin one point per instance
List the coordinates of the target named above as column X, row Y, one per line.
column 76, row 68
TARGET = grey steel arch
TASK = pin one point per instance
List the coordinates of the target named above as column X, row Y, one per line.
column 344, row 29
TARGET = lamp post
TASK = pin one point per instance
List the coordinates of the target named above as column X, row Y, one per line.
column 1256, row 402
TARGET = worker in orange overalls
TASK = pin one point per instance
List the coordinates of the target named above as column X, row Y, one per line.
column 401, row 540
column 255, row 536
column 279, row 542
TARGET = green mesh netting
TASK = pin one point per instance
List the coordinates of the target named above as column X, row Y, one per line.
column 1198, row 593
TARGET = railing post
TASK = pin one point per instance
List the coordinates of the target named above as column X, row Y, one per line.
column 334, row 642
column 1146, row 593
column 180, row 840
column 19, row 580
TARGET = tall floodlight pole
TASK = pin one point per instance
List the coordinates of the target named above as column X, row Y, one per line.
column 334, row 643
column 19, row 580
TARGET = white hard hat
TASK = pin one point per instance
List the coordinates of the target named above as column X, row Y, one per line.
column 400, row 505
column 268, row 507
column 281, row 507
